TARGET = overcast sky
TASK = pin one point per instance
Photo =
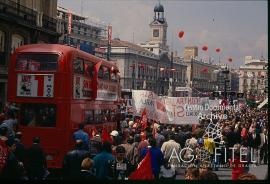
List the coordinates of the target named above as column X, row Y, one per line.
column 238, row 28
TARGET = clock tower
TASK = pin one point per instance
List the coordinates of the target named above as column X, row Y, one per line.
column 159, row 28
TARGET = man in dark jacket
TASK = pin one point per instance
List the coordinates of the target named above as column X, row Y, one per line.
column 13, row 168
column 254, row 141
column 36, row 161
column 20, row 149
column 73, row 160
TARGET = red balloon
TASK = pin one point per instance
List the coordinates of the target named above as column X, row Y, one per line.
column 204, row 48
column 230, row 59
column 181, row 34
column 218, row 50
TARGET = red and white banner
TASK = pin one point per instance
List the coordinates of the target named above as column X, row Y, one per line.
column 186, row 110
column 169, row 110
column 35, row 85
column 69, row 22
column 155, row 109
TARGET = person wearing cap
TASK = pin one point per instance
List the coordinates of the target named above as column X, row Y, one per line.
column 36, row 161
column 73, row 160
column 13, row 168
column 120, row 166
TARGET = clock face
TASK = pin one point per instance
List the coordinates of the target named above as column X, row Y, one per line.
column 155, row 33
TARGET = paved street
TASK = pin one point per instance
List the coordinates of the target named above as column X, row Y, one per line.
column 225, row 173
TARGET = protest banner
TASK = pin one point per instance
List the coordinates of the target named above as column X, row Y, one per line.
column 185, row 110
column 148, row 100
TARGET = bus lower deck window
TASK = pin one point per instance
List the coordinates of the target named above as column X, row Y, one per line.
column 38, row 115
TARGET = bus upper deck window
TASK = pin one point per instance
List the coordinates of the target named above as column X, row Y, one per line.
column 78, row 66
column 100, row 73
column 106, row 73
column 89, row 69
column 37, row 62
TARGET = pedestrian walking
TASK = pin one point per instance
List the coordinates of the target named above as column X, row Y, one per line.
column 36, row 164
column 157, row 158
column 87, row 172
column 102, row 161
column 73, row 160
column 82, row 135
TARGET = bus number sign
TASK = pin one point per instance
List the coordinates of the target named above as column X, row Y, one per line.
column 29, row 85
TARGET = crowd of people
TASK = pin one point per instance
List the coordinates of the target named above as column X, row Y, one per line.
column 118, row 155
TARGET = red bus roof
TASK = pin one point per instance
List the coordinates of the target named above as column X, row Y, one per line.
column 59, row 49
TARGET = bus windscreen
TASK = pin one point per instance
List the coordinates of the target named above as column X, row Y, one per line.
column 37, row 62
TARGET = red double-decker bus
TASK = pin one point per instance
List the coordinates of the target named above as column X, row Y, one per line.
column 56, row 87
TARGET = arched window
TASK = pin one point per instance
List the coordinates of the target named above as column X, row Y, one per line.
column 16, row 41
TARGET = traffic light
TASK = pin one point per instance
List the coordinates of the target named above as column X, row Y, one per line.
column 240, row 95
column 215, row 94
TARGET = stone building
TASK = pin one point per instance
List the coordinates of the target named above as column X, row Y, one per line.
column 190, row 52
column 201, row 77
column 141, row 69
column 253, row 78
column 24, row 22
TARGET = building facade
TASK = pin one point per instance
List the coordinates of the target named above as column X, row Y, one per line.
column 201, row 77
column 142, row 69
column 253, row 78
column 190, row 53
column 24, row 22
column 85, row 34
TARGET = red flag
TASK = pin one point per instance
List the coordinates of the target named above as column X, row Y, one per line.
column 95, row 80
column 144, row 170
column 144, row 119
column 106, row 136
